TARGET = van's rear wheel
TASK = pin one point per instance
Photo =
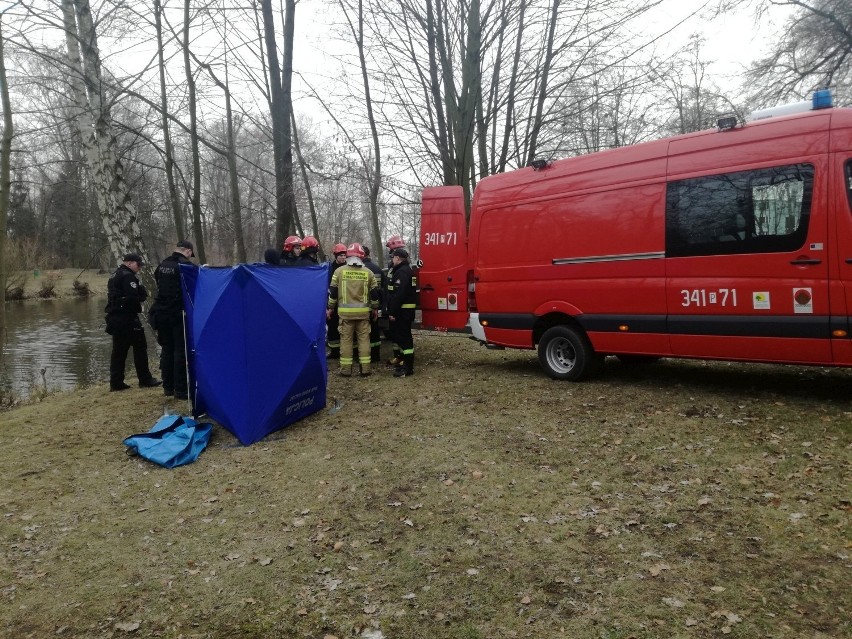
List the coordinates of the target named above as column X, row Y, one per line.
column 566, row 353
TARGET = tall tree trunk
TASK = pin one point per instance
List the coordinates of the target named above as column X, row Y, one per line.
column 542, row 89
column 85, row 122
column 5, row 182
column 180, row 231
column 289, row 208
column 276, row 109
column 236, row 207
column 470, row 95
column 118, row 215
column 509, row 122
column 197, row 230
column 304, row 172
column 435, row 59
column 372, row 173
column 451, row 101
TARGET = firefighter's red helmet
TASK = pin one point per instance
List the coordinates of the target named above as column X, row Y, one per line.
column 355, row 250
column 339, row 248
column 394, row 241
column 291, row 241
column 310, row 242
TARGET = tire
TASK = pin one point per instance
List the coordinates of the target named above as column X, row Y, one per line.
column 637, row 360
column 565, row 353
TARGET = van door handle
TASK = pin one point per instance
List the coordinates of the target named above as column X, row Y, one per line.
column 805, row 262
column 426, row 287
column 849, row 260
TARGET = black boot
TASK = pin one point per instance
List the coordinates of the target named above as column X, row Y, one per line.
column 376, row 354
column 406, row 369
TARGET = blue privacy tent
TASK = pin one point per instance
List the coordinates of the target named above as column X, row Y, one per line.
column 256, row 345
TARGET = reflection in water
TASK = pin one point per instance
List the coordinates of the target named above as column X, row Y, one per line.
column 58, row 345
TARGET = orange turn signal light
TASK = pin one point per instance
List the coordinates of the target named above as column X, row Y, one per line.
column 623, row 327
column 839, row 333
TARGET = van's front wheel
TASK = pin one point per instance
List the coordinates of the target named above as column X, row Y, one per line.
column 566, row 354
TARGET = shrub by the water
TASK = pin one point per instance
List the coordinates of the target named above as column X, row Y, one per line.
column 14, row 293
column 82, row 288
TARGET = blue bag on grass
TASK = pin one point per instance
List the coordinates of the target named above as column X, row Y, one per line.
column 173, row 441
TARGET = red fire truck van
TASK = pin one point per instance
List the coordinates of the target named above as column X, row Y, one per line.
column 733, row 244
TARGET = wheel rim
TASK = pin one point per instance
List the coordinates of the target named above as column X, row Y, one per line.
column 561, row 356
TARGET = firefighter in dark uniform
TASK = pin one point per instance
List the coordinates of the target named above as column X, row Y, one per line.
column 309, row 255
column 375, row 330
column 332, row 336
column 125, row 295
column 292, row 251
column 394, row 242
column 167, row 319
column 401, row 303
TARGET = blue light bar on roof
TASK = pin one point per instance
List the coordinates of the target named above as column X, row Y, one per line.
column 821, row 100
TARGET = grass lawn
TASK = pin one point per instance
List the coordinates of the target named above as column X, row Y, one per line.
column 476, row 499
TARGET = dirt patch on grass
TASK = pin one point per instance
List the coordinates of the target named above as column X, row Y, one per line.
column 476, row 499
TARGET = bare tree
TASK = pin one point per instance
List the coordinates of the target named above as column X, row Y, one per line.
column 688, row 89
column 814, row 50
column 168, row 151
column 371, row 161
column 280, row 105
column 197, row 228
column 94, row 123
column 5, row 179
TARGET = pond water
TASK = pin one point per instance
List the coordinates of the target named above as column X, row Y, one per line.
column 59, row 345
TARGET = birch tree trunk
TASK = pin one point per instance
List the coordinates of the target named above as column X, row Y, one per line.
column 118, row 215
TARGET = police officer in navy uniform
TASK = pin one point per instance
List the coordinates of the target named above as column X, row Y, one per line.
column 167, row 319
column 401, row 304
column 125, row 295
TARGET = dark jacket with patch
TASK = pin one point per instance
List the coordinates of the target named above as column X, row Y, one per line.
column 168, row 304
column 125, row 295
column 401, row 292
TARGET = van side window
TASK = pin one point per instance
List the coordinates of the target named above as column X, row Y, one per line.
column 849, row 183
column 757, row 211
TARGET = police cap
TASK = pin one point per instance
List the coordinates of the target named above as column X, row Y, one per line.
column 134, row 257
column 400, row 252
column 186, row 244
